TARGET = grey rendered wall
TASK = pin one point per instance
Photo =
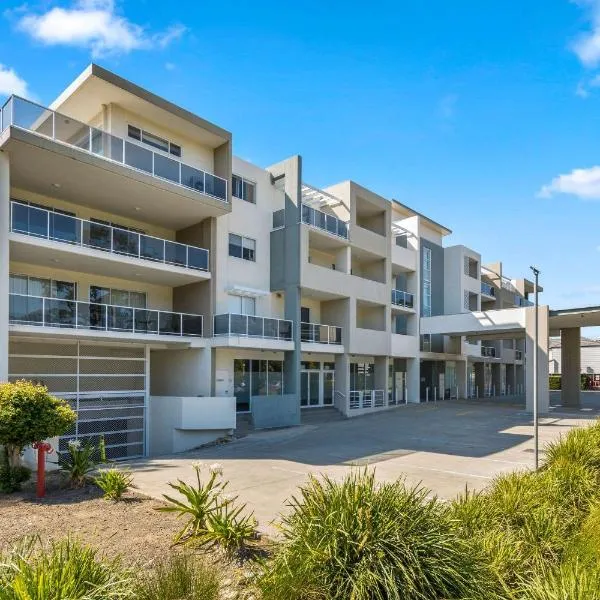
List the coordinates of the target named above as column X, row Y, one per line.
column 437, row 287
column 275, row 411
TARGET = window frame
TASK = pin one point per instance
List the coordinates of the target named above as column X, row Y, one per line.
column 173, row 149
column 52, row 286
column 110, row 296
column 243, row 247
column 244, row 185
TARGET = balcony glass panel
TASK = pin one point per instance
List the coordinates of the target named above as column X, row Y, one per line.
column 401, row 298
column 72, row 132
column 166, row 168
column 197, row 258
column 138, row 157
column 152, row 248
column 306, row 332
column 126, row 242
column 169, row 323
column 146, row 321
column 60, row 313
column 192, row 178
column 29, row 220
column 285, row 330
column 120, row 318
column 92, row 316
column 64, row 228
column 192, row 325
column 221, row 325
column 239, row 324
column 335, row 335
column 97, row 235
column 175, row 254
column 32, row 116
column 271, row 328
column 255, row 326
column 26, row 310
column 107, row 145
column 215, row 186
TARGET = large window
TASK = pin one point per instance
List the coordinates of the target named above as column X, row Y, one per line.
column 242, row 305
column 362, row 377
column 243, row 189
column 153, row 140
column 104, row 295
column 256, row 378
column 42, row 287
column 426, row 300
column 242, row 247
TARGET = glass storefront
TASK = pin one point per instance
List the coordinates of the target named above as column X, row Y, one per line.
column 256, row 378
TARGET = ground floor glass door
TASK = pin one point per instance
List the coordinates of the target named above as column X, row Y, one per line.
column 328, row 387
column 310, row 388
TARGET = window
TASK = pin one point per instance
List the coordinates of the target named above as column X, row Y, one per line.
column 426, row 342
column 362, row 376
column 243, row 189
column 103, row 295
column 256, row 378
column 242, row 247
column 153, row 140
column 242, row 305
column 426, row 301
column 45, row 288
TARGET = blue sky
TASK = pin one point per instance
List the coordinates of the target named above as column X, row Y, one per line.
column 483, row 115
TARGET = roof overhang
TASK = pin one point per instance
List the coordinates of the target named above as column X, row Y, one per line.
column 574, row 317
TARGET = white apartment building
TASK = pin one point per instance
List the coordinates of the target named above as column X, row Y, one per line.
column 165, row 287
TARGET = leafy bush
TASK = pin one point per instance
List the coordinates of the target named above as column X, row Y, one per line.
column 11, row 477
column 360, row 540
column 555, row 382
column 28, row 414
column 570, row 581
column 113, row 482
column 181, row 576
column 78, row 462
column 66, row 570
column 580, row 445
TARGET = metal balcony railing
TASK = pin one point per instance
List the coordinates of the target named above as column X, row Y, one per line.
column 320, row 220
column 320, row 334
column 488, row 351
column 56, row 312
column 46, row 224
column 401, row 298
column 24, row 114
column 488, row 289
column 365, row 399
column 229, row 324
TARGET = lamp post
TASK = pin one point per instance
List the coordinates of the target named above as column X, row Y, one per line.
column 536, row 273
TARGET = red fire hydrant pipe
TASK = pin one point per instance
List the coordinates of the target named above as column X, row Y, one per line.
column 42, row 448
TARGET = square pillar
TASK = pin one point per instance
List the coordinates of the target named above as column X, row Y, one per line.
column 479, row 379
column 413, row 375
column 342, row 383
column 570, row 368
column 542, row 355
column 496, row 380
column 4, row 261
column 461, row 379
column 382, row 366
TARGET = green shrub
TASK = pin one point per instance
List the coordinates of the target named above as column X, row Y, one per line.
column 359, row 540
column 113, row 482
column 66, row 570
column 555, row 382
column 180, row 577
column 580, row 445
column 78, row 462
column 570, row 581
column 11, row 477
column 28, row 414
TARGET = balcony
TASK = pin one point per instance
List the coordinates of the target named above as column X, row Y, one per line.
column 75, row 233
column 24, row 114
column 249, row 326
column 402, row 299
column 488, row 290
column 315, row 333
column 488, row 351
column 59, row 313
column 522, row 302
column 320, row 220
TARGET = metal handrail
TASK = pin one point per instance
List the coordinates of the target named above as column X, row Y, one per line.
column 325, row 222
column 308, row 333
column 77, row 319
column 361, row 399
column 134, row 250
column 402, row 298
column 100, row 143
column 245, row 331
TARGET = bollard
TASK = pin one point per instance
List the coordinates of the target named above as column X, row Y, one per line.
column 405, row 395
column 435, row 394
column 476, row 391
column 42, row 448
column 426, row 394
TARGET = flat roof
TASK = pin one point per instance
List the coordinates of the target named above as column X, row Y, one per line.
column 443, row 229
column 565, row 318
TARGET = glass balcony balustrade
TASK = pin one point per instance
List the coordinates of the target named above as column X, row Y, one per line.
column 24, row 114
column 317, row 333
column 231, row 324
column 56, row 312
column 320, row 220
column 37, row 222
column 401, row 298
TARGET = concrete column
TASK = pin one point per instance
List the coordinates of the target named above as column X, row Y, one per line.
column 382, row 365
column 570, row 368
column 413, row 380
column 542, row 354
column 479, row 379
column 342, row 383
column 343, row 259
column 461, row 379
column 4, row 261
column 496, row 379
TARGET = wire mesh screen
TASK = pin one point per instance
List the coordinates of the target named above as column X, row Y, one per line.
column 105, row 386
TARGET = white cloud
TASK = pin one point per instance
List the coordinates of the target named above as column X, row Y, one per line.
column 587, row 46
column 94, row 24
column 583, row 183
column 11, row 83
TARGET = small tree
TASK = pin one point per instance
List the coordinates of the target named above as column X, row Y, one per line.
column 28, row 414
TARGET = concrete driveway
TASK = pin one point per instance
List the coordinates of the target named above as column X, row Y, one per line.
column 445, row 446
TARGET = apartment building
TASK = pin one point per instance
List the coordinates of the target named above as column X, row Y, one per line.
column 165, row 287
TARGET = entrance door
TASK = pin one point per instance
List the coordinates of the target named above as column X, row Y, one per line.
column 399, row 379
column 328, row 387
column 309, row 388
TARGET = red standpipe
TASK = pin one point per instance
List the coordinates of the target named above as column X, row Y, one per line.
column 42, row 448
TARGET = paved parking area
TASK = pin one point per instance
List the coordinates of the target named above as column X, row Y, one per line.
column 444, row 446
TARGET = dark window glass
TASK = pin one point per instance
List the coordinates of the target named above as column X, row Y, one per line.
column 249, row 250
column 134, row 132
column 99, row 295
column 175, row 149
column 235, row 245
column 155, row 141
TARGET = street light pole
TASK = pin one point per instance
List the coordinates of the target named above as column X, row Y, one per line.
column 536, row 273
